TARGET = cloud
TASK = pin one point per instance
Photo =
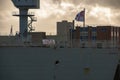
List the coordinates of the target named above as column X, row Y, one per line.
column 51, row 11
column 6, row 5
column 57, row 7
column 58, row 2
column 106, row 3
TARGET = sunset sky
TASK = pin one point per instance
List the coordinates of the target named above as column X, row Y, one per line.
column 98, row 12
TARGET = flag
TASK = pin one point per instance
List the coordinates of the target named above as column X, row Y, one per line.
column 80, row 16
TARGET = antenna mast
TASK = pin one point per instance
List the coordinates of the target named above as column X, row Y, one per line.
column 24, row 6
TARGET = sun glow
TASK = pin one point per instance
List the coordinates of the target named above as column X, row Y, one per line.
column 66, row 5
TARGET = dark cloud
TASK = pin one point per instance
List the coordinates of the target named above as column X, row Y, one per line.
column 105, row 3
column 113, row 3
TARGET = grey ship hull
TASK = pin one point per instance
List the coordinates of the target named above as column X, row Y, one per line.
column 34, row 63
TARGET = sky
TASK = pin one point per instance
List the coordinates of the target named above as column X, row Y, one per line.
column 98, row 12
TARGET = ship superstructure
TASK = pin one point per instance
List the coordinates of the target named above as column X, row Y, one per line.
column 75, row 53
column 24, row 6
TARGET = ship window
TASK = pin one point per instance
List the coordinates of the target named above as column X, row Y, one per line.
column 103, row 29
column 83, row 38
column 93, row 37
column 18, row 0
column 83, row 29
column 94, row 29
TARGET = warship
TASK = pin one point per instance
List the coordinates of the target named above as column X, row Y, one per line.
column 21, row 59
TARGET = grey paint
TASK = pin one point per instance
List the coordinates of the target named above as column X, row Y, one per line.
column 34, row 63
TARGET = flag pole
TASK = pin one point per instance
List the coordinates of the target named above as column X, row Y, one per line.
column 84, row 19
column 73, row 24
